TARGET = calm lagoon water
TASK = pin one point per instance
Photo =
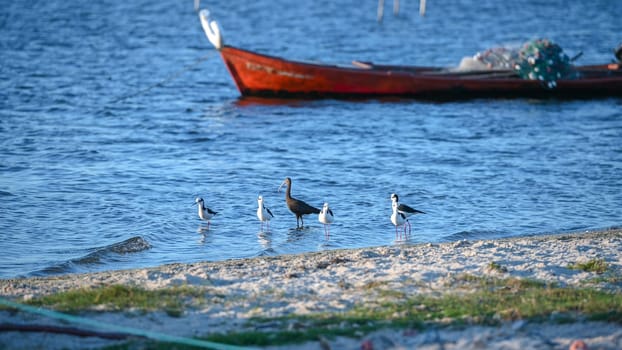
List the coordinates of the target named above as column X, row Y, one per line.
column 115, row 115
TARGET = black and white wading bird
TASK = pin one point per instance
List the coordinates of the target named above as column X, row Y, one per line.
column 204, row 213
column 398, row 219
column 404, row 210
column 296, row 206
column 326, row 217
column 263, row 213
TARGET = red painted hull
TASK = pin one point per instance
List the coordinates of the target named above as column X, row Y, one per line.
column 261, row 75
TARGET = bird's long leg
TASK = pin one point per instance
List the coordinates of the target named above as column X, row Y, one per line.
column 302, row 222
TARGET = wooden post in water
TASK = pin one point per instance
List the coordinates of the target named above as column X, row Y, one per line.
column 396, row 8
column 380, row 10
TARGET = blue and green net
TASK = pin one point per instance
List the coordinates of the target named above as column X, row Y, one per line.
column 543, row 60
column 539, row 59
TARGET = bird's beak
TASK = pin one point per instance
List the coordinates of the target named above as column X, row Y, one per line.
column 279, row 190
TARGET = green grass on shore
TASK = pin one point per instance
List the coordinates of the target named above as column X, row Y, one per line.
column 473, row 300
column 594, row 265
column 172, row 300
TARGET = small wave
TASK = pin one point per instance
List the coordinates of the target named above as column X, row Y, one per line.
column 266, row 252
column 131, row 245
column 474, row 234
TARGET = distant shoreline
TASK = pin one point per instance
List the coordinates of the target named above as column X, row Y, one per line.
column 339, row 280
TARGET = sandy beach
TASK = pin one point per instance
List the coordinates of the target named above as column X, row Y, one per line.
column 237, row 291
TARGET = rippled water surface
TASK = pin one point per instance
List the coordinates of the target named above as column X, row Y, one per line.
column 111, row 123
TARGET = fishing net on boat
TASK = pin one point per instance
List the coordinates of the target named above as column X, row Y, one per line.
column 543, row 60
column 538, row 59
column 498, row 58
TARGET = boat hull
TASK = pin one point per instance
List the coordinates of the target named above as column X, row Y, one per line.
column 268, row 76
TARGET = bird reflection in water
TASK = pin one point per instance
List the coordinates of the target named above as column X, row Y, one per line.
column 204, row 231
column 265, row 240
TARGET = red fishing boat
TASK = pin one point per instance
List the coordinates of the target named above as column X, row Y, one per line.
column 267, row 76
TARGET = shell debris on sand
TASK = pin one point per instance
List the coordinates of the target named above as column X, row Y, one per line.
column 338, row 280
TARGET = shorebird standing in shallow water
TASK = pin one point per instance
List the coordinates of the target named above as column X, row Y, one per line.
column 296, row 206
column 398, row 219
column 263, row 214
column 204, row 213
column 326, row 217
column 404, row 209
